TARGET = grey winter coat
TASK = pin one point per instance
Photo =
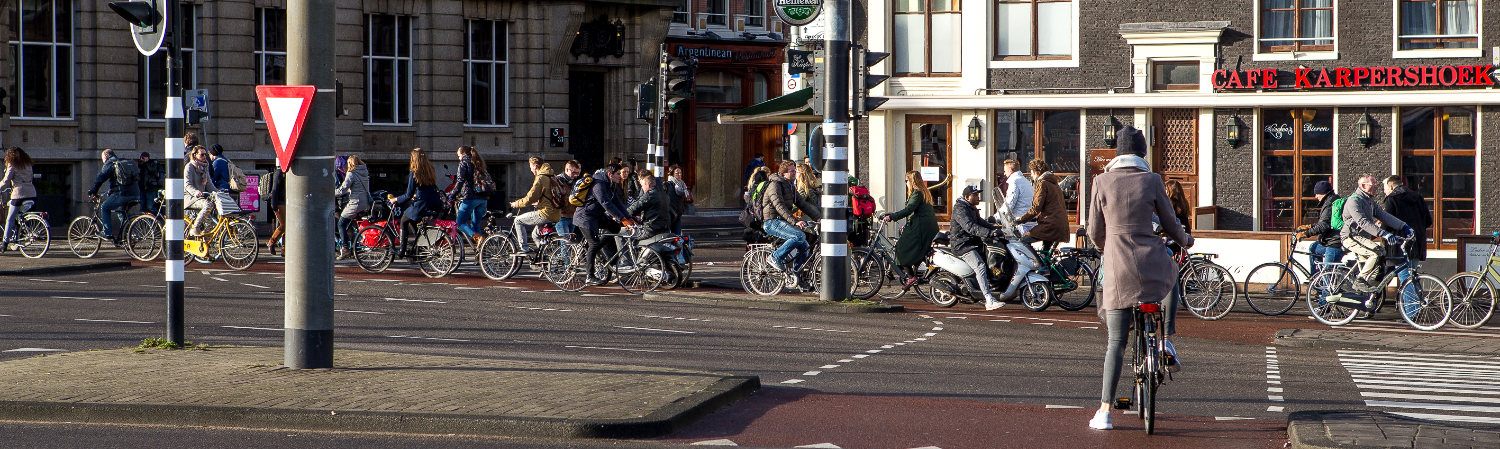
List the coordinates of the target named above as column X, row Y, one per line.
column 18, row 180
column 1137, row 266
column 1360, row 213
column 356, row 187
column 199, row 180
column 782, row 202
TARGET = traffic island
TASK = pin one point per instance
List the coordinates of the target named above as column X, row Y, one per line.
column 13, row 264
column 778, row 302
column 1364, row 429
column 366, row 391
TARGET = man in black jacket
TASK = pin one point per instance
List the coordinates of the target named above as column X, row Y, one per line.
column 967, row 231
column 1409, row 207
column 651, row 205
column 1327, row 246
column 600, row 212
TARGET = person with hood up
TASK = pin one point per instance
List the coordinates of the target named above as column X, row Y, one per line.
column 1048, row 209
column 1327, row 247
column 540, row 196
column 1137, row 266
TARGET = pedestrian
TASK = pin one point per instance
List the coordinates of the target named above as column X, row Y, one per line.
column 278, row 210
column 808, row 185
column 1411, row 208
column 1048, row 210
column 356, row 188
column 198, row 184
column 471, row 204
column 628, row 187
column 572, row 172
column 540, row 196
column 18, row 180
column 125, row 183
column 684, row 197
column 1363, row 237
column 915, row 242
column 1137, row 266
column 421, row 197
column 1181, row 210
column 757, row 162
column 153, row 175
column 1327, row 246
column 1018, row 193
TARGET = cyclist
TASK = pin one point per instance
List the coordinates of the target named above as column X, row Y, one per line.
column 1363, row 237
column 651, row 205
column 1327, row 245
column 220, row 169
column 125, row 185
column 1018, row 193
column 966, row 233
column 421, row 195
column 780, row 207
column 18, row 181
column 1047, row 209
column 601, row 211
column 1126, row 199
column 198, row 185
column 356, row 186
column 472, row 204
column 915, row 242
column 152, row 180
column 542, row 196
column 572, row 172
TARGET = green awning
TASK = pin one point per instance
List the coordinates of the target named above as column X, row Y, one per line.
column 790, row 108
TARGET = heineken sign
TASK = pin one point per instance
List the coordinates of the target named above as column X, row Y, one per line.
column 798, row 12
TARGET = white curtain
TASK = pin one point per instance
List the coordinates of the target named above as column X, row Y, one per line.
column 1418, row 18
column 1055, row 28
column 947, row 42
column 1317, row 23
column 1014, row 35
column 910, row 39
column 1459, row 17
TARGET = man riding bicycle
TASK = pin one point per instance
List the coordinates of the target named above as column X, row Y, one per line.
column 1328, row 245
column 600, row 212
column 1048, row 209
column 125, row 185
column 540, row 195
column 651, row 205
column 1363, row 237
column 780, row 208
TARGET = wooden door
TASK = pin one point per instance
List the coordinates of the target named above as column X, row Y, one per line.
column 1176, row 149
column 929, row 143
column 763, row 139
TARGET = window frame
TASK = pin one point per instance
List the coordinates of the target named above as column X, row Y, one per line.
column 500, row 68
column 1297, row 46
column 18, row 45
column 189, row 74
column 1438, row 153
column 1157, row 86
column 369, row 60
column 722, row 16
column 263, row 53
column 1297, row 153
column 1441, row 14
column 1035, row 25
column 1455, row 52
column 927, row 13
column 1039, row 139
column 683, row 14
column 754, row 17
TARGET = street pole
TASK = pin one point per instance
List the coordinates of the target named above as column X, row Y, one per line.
column 175, row 165
column 835, row 238
column 658, row 119
column 309, row 190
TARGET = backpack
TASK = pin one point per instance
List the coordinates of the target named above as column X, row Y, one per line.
column 581, row 189
column 864, row 204
column 753, row 216
column 265, row 185
column 237, row 180
column 152, row 170
column 1336, row 219
column 127, row 172
column 483, row 183
column 558, row 190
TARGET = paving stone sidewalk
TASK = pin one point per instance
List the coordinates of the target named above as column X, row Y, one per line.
column 1370, row 430
column 366, row 391
column 1403, row 341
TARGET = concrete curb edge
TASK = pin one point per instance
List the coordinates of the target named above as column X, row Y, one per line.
column 67, row 268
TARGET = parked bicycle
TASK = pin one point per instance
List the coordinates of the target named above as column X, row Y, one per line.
column 232, row 237
column 1207, row 288
column 638, row 269
column 1473, row 291
column 1424, row 301
column 32, row 237
column 86, row 233
column 1272, row 288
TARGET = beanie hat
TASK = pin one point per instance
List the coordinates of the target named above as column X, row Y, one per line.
column 1129, row 140
column 1322, row 188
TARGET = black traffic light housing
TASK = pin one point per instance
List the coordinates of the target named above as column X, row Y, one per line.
column 864, row 81
column 140, row 14
column 645, row 108
column 679, row 81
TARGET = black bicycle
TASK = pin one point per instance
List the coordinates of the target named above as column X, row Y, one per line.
column 878, row 271
column 1149, row 362
column 86, row 233
column 1273, row 288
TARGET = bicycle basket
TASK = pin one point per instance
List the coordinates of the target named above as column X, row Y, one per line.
column 226, row 204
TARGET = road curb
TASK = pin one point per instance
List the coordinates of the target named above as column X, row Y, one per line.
column 659, row 423
column 731, row 300
column 1309, row 429
column 103, row 265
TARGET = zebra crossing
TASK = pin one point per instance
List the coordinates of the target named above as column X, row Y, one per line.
column 1434, row 386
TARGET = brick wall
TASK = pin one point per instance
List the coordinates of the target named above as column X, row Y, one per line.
column 1353, row 158
column 1234, row 176
column 1489, row 169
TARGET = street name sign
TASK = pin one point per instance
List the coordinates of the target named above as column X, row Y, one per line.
column 285, row 108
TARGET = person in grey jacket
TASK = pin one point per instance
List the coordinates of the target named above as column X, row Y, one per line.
column 199, row 186
column 1363, row 237
column 356, row 187
column 18, row 181
column 779, row 208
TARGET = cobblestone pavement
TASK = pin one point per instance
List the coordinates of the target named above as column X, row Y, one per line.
column 1410, row 340
column 1369, row 429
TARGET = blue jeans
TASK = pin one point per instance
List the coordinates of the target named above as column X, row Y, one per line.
column 111, row 205
column 1331, row 256
column 565, row 226
column 795, row 241
column 342, row 239
column 148, row 200
column 470, row 212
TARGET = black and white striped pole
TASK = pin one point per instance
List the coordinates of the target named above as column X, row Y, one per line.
column 835, row 236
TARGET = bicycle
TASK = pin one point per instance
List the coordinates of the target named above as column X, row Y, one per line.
column 500, row 257
column 86, row 233
column 1149, row 362
column 638, row 269
column 145, row 235
column 1074, row 283
column 1203, row 283
column 435, row 252
column 1281, row 284
column 1424, row 303
column 1473, row 291
column 878, row 270
column 232, row 237
column 759, row 277
column 32, row 237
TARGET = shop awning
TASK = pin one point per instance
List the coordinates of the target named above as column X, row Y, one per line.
column 790, row 108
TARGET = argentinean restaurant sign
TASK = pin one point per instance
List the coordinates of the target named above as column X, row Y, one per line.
column 1344, row 77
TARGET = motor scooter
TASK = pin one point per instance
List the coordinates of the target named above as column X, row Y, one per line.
column 1014, row 271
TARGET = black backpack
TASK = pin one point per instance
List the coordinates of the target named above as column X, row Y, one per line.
column 127, row 172
column 153, row 171
column 753, row 216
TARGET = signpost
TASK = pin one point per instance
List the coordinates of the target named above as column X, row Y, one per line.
column 285, row 109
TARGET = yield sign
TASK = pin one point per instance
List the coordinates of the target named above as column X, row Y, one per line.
column 285, row 107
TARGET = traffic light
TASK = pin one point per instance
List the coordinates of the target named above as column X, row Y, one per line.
column 864, row 81
column 140, row 14
column 678, row 83
column 645, row 108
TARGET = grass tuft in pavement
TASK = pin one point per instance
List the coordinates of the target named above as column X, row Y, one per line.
column 162, row 343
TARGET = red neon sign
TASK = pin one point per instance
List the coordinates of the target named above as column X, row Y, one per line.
column 1414, row 76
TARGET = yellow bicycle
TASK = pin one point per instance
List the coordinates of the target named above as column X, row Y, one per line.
column 232, row 239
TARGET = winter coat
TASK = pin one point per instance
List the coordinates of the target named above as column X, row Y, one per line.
column 654, row 209
column 220, row 172
column 540, row 195
column 567, row 206
column 1360, row 214
column 1137, row 267
column 782, row 202
column 356, row 187
column 422, row 197
column 966, row 228
column 1048, row 210
column 18, row 180
column 1410, row 208
column 916, row 240
column 603, row 203
column 1323, row 228
column 463, row 188
column 107, row 174
column 198, row 180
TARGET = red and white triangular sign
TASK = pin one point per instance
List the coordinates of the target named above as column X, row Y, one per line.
column 285, row 107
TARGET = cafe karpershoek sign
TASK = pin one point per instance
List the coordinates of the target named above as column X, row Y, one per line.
column 1356, row 77
column 798, row 12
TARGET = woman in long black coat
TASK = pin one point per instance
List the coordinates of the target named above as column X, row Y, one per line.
column 915, row 242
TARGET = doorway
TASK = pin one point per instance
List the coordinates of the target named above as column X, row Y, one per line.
column 586, row 107
column 929, row 139
column 1176, row 149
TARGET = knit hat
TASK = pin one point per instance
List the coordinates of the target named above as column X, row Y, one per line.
column 1322, row 188
column 1129, row 140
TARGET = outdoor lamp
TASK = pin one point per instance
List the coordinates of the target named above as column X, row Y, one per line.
column 1364, row 129
column 1109, row 132
column 974, row 129
column 1232, row 131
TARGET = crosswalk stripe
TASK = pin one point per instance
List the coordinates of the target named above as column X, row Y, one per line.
column 1425, row 397
column 1478, row 419
column 1450, row 407
column 1429, row 390
column 1451, row 383
column 1419, row 362
column 1445, row 387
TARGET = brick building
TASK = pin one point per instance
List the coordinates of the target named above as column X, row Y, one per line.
column 1232, row 95
column 500, row 75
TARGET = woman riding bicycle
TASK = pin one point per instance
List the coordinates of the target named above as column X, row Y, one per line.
column 421, row 194
column 18, row 182
column 355, row 187
column 1140, row 269
column 916, row 240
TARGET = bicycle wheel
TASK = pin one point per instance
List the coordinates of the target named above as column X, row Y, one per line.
column 374, row 248
column 33, row 238
column 576, row 277
column 871, row 274
column 893, row 283
column 1425, row 302
column 758, row 277
column 940, row 285
column 1328, row 284
column 1148, row 391
column 497, row 257
column 1037, row 296
column 646, row 274
column 83, row 237
column 1085, row 281
column 1207, row 290
column 554, row 260
column 437, row 253
column 238, row 244
column 143, row 238
column 1473, row 300
column 1272, row 289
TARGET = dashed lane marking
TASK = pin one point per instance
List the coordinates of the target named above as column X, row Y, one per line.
column 612, row 349
column 673, row 318
column 59, row 281
column 1230, row 418
column 1062, row 406
column 829, row 366
column 253, row 285
column 114, row 321
column 810, row 329
column 540, row 308
column 34, row 350
column 254, row 328
column 792, row 381
column 820, row 446
column 424, row 338
column 719, row 442
column 216, row 278
column 80, row 297
column 415, row 300
column 1275, row 408
column 812, row 373
column 360, row 311
column 656, row 330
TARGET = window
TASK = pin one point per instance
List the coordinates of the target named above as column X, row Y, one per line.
column 1033, row 29
column 41, row 48
column 1175, row 76
column 718, row 12
column 717, row 88
column 928, row 37
column 1437, row 159
column 270, row 49
column 387, row 69
column 1429, row 24
column 152, row 71
column 755, row 13
column 929, row 142
column 1051, row 136
column 680, row 14
column 1296, row 25
column 1297, row 152
column 486, row 56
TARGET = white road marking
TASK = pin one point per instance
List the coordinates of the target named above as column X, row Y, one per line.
column 424, row 338
column 812, row 373
column 216, row 278
column 1002, row 321
column 1276, row 398
column 1477, row 419
column 1230, row 418
column 937, row 328
column 253, row 285
column 940, row 323
column 920, row 339
column 719, row 442
column 540, row 308
column 820, row 446
column 793, row 381
column 79, row 297
column 810, row 329
column 114, row 321
column 1448, row 407
column 467, row 288
column 861, row 356
column 657, row 330
column 591, row 294
column 930, row 334
column 340, row 294
column 672, row 318
column 1273, row 389
column 887, row 346
column 1044, row 324
column 1425, row 397
column 415, row 300
column 873, row 351
column 612, row 349
column 829, row 366
column 254, row 328
column 59, row 281
column 986, row 315
column 35, row 350
column 846, row 360
column 1062, row 406
column 1275, row 408
column 1089, row 327
column 359, row 311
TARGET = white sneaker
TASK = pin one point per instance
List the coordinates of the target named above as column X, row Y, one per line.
column 992, row 304
column 1174, row 364
column 1101, row 421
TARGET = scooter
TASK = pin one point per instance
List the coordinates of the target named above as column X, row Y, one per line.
column 1013, row 270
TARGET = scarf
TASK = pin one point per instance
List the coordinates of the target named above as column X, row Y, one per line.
column 1128, row 160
